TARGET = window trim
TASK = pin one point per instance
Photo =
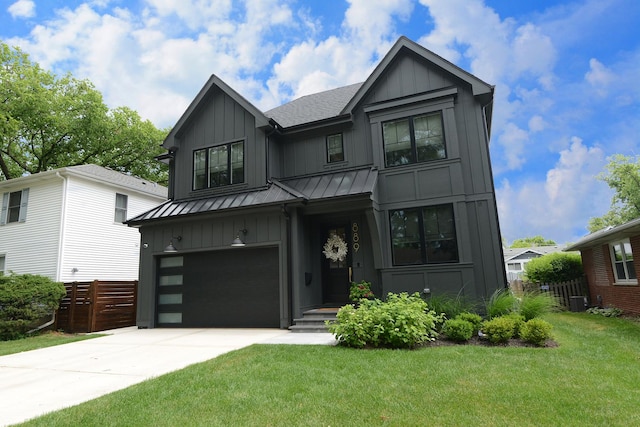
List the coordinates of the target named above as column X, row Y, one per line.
column 22, row 209
column 341, row 135
column 120, row 210
column 412, row 137
column 207, row 164
column 423, row 238
column 617, row 280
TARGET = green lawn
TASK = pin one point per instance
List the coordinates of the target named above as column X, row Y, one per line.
column 592, row 378
column 46, row 339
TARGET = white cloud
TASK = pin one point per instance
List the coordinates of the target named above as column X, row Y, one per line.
column 22, row 9
column 599, row 76
column 537, row 124
column 558, row 207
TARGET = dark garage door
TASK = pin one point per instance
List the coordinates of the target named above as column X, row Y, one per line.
column 236, row 288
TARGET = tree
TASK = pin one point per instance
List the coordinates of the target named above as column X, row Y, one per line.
column 622, row 174
column 49, row 122
column 527, row 242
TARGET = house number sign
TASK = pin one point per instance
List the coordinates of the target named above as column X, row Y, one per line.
column 355, row 237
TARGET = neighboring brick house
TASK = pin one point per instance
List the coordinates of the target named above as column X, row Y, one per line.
column 610, row 266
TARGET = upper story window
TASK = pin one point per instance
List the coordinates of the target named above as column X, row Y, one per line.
column 414, row 139
column 14, row 206
column 218, row 166
column 335, row 148
column 121, row 208
column 622, row 258
column 424, row 235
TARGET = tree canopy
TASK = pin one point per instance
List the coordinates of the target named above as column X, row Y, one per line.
column 528, row 242
column 622, row 174
column 48, row 122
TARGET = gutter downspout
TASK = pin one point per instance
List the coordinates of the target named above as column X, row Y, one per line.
column 63, row 210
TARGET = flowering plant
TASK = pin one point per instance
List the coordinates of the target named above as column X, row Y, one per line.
column 360, row 291
column 335, row 249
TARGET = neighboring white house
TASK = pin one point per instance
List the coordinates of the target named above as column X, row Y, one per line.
column 516, row 258
column 68, row 223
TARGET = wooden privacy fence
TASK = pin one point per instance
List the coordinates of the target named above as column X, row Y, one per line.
column 567, row 293
column 97, row 306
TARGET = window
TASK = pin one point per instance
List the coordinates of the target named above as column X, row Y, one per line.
column 14, row 207
column 121, row 208
column 424, row 235
column 218, row 166
column 514, row 266
column 622, row 257
column 413, row 139
column 2, row 262
column 335, row 148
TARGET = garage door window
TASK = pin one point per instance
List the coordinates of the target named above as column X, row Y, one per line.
column 170, row 281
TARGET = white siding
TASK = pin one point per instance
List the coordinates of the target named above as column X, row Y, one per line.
column 94, row 244
column 32, row 246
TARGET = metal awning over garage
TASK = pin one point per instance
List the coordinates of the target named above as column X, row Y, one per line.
column 303, row 189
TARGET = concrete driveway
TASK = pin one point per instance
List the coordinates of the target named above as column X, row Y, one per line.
column 36, row 382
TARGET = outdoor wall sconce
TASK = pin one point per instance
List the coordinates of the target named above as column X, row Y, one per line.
column 238, row 242
column 170, row 249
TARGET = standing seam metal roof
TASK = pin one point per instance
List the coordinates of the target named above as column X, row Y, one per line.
column 303, row 189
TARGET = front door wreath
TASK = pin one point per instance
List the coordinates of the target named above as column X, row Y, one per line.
column 335, row 248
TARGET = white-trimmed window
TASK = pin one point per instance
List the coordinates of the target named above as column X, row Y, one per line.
column 514, row 266
column 622, row 260
column 2, row 262
column 121, row 208
column 14, row 207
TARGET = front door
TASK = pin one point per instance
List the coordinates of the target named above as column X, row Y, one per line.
column 336, row 272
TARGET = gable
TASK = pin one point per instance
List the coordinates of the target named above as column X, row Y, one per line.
column 212, row 90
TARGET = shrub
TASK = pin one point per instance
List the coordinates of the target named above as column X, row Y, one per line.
column 555, row 267
column 501, row 302
column 472, row 318
column 518, row 320
column 606, row 312
column 359, row 291
column 24, row 299
column 536, row 331
column 458, row 329
column 402, row 321
column 536, row 304
column 499, row 329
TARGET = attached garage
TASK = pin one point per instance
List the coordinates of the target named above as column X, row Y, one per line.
column 237, row 288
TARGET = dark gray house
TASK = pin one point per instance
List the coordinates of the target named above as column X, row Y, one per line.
column 273, row 213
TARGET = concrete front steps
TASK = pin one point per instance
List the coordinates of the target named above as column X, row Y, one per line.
column 312, row 321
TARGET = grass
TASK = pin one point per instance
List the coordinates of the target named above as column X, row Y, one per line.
column 590, row 379
column 45, row 339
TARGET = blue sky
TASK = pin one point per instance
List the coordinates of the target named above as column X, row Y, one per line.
column 566, row 73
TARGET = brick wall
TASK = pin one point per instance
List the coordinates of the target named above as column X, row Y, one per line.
column 599, row 271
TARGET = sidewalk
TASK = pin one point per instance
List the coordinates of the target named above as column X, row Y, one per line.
column 36, row 382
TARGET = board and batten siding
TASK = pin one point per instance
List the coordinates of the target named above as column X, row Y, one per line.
column 94, row 244
column 219, row 120
column 32, row 246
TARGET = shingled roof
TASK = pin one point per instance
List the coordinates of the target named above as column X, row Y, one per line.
column 314, row 107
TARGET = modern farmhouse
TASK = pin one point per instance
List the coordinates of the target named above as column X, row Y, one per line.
column 274, row 213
